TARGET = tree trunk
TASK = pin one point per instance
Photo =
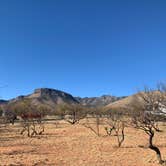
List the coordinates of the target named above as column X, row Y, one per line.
column 98, row 125
column 28, row 130
column 120, row 140
column 155, row 148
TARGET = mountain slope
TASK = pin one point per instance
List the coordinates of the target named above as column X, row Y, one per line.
column 52, row 98
column 124, row 103
column 47, row 97
column 98, row 101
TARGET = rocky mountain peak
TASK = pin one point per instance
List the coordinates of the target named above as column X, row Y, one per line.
column 53, row 93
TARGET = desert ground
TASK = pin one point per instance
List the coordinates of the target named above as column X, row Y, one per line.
column 63, row 144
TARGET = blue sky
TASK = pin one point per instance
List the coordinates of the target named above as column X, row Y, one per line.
column 84, row 47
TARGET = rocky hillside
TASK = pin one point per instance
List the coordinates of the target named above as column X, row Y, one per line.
column 53, row 97
column 98, row 101
column 47, row 97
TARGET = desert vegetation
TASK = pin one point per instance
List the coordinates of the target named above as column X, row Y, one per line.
column 72, row 113
column 147, row 110
column 30, row 116
column 118, row 129
column 116, row 122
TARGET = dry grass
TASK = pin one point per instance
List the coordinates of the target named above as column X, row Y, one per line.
column 75, row 145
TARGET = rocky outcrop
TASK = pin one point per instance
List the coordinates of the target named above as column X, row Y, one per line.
column 46, row 96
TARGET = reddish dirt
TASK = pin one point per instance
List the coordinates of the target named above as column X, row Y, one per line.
column 73, row 145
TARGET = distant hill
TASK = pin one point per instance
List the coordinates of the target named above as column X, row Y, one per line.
column 3, row 101
column 98, row 101
column 47, row 97
column 52, row 97
column 123, row 103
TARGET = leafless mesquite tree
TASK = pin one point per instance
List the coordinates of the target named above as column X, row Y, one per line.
column 72, row 113
column 96, row 124
column 94, row 119
column 115, row 121
column 31, row 116
column 33, row 121
column 146, row 111
column 8, row 115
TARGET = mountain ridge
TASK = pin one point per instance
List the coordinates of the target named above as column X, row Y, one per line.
column 53, row 97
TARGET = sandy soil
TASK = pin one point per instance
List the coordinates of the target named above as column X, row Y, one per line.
column 73, row 145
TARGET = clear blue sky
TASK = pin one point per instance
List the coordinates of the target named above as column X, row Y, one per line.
column 84, row 47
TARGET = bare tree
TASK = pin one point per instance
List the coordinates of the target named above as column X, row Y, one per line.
column 93, row 119
column 31, row 116
column 115, row 121
column 72, row 113
column 8, row 115
column 95, row 129
column 146, row 112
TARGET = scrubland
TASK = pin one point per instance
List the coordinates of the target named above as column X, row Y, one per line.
column 63, row 144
